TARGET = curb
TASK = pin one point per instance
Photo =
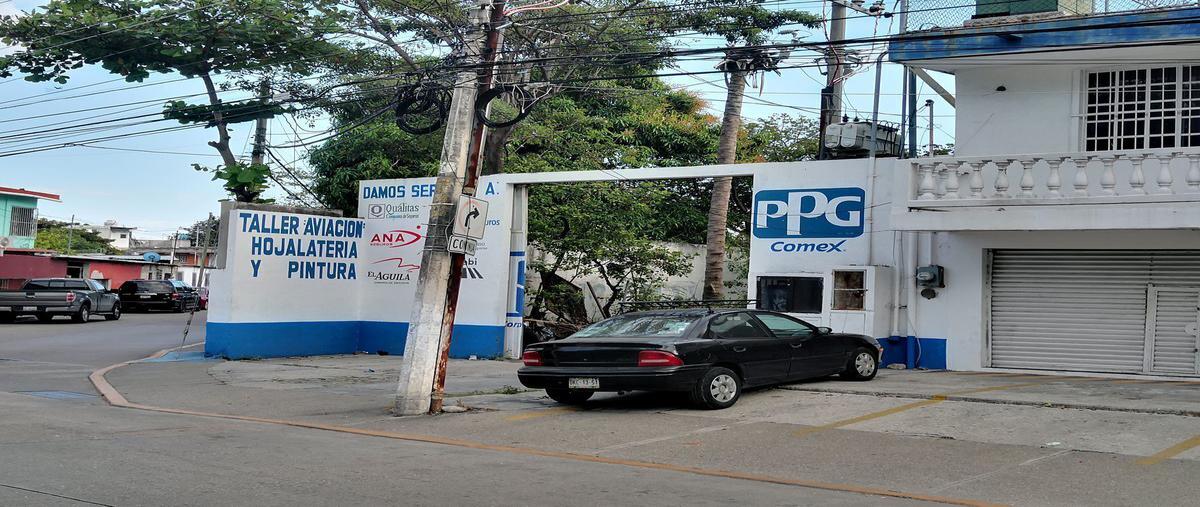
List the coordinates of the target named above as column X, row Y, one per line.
column 995, row 401
column 116, row 399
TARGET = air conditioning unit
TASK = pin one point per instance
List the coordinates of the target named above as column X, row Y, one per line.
column 5, row 242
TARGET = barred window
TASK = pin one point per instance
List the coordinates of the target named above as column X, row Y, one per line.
column 24, row 222
column 1147, row 108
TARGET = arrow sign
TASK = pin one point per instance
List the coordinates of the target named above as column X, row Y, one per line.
column 470, row 217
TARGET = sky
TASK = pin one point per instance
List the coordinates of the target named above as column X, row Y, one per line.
column 160, row 192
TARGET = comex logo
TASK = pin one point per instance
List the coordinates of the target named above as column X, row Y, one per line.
column 808, row 214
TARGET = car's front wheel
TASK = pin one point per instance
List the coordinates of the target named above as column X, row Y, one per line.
column 861, row 366
column 115, row 314
column 570, row 396
column 719, row 388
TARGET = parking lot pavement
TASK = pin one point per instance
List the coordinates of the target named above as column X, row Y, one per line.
column 970, row 435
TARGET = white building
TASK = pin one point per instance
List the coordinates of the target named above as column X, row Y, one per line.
column 120, row 236
column 1066, row 220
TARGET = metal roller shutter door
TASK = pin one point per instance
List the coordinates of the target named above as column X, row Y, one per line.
column 1081, row 310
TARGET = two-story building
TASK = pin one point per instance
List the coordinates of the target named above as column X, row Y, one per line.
column 18, row 216
column 1066, row 220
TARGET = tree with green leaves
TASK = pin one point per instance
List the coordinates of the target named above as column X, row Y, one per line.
column 61, row 237
column 248, row 41
column 744, row 24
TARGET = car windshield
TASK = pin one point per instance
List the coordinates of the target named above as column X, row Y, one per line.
column 638, row 325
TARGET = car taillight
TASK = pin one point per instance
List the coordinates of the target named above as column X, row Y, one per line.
column 658, row 358
column 174, row 295
column 70, row 297
column 532, row 358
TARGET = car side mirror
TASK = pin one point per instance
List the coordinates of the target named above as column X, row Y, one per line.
column 824, row 330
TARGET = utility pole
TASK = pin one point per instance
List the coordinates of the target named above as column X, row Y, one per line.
column 831, row 95
column 70, row 233
column 929, row 104
column 427, row 348
column 260, row 127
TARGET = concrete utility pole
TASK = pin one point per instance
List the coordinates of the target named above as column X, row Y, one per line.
column 260, row 126
column 929, row 104
column 426, row 350
column 70, row 233
column 835, row 64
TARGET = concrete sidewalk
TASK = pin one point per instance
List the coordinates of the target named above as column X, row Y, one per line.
column 1003, row 437
column 334, row 381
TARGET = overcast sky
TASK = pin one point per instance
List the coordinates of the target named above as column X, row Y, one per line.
column 157, row 192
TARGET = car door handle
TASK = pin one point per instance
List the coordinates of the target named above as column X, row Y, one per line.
column 797, row 345
column 739, row 349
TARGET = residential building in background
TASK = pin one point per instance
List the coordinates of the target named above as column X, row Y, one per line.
column 18, row 215
column 120, row 236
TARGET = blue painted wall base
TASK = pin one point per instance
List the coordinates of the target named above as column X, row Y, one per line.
column 246, row 340
column 913, row 352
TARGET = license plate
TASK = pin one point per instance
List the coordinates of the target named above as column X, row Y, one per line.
column 145, row 297
column 583, row 383
column 24, row 308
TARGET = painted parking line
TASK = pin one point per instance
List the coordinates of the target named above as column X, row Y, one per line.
column 933, row 400
column 534, row 414
column 1171, row 452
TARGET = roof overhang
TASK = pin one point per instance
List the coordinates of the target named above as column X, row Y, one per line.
column 20, row 192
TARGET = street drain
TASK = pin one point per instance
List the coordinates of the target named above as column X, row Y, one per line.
column 59, row 395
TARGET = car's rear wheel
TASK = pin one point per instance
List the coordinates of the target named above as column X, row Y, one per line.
column 116, row 313
column 570, row 396
column 83, row 314
column 862, row 365
column 719, row 388
column 44, row 317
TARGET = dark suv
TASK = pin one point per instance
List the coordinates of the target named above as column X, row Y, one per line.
column 172, row 295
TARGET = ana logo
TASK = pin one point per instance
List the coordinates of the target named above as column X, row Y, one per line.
column 396, row 238
column 809, row 213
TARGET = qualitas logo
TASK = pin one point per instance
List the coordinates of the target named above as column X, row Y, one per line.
column 809, row 214
column 389, row 210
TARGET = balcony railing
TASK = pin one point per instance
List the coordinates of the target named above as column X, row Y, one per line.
column 1169, row 175
column 941, row 14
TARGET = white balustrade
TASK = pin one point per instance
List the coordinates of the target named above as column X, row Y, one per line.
column 951, row 179
column 1002, row 177
column 1165, row 178
column 1054, row 182
column 1081, row 177
column 1137, row 180
column 1120, row 177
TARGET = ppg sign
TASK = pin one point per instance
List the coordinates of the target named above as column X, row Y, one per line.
column 809, row 213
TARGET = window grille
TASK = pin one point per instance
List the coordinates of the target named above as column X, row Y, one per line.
column 1147, row 108
column 24, row 222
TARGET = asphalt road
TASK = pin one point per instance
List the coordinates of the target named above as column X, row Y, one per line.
column 62, row 445
column 99, row 342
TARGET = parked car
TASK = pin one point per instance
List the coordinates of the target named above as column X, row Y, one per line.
column 172, row 295
column 47, row 297
column 710, row 355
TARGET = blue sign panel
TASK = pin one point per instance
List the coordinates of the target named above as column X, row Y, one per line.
column 809, row 213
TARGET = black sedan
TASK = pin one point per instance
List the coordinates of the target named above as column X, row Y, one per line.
column 711, row 355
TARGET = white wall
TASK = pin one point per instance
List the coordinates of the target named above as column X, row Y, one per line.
column 958, row 313
column 1033, row 115
column 874, row 247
